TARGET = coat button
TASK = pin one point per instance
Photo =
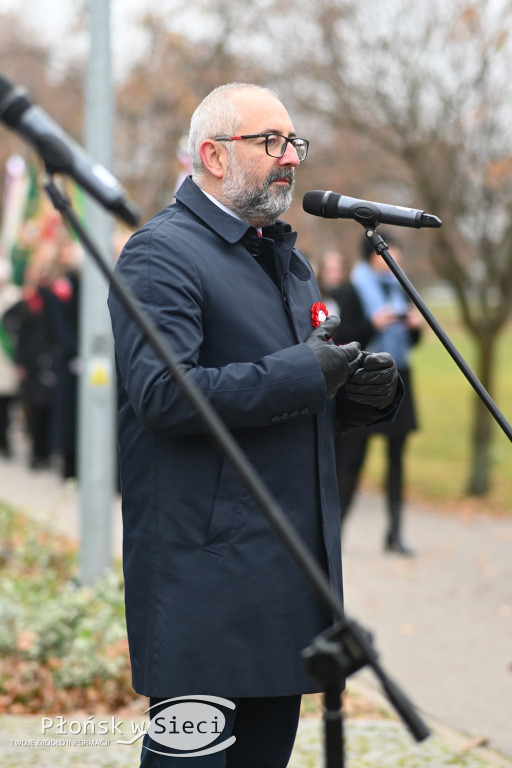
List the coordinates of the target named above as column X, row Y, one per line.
column 304, row 411
column 275, row 419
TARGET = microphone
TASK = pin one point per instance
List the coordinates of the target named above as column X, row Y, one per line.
column 333, row 206
column 60, row 152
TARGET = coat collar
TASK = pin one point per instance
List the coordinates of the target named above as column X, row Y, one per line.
column 226, row 226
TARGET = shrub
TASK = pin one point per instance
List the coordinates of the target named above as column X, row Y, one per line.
column 62, row 646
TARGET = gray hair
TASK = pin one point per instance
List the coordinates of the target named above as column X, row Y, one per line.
column 216, row 115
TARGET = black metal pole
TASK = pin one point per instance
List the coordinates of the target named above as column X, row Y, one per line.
column 382, row 249
column 333, row 729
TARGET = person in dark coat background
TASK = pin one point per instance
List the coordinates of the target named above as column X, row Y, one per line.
column 64, row 310
column 341, row 298
column 215, row 605
column 36, row 353
column 377, row 313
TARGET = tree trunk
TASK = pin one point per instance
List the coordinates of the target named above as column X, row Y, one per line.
column 480, row 463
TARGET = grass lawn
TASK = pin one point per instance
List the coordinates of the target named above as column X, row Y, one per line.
column 438, row 456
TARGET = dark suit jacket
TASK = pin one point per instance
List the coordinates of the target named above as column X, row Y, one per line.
column 215, row 604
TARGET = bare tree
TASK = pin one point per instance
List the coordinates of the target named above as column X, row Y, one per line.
column 28, row 64
column 418, row 92
column 435, row 93
column 409, row 98
column 154, row 107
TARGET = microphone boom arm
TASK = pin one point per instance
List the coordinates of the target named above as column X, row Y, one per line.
column 382, row 249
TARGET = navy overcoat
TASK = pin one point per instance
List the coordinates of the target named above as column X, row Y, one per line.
column 215, row 604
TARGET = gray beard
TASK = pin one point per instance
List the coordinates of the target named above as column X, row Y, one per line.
column 259, row 205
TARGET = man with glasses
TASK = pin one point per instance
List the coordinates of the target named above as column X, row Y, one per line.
column 215, row 604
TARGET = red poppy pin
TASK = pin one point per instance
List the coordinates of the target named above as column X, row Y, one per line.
column 319, row 313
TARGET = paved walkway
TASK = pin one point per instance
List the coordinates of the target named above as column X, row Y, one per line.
column 50, row 500
column 442, row 621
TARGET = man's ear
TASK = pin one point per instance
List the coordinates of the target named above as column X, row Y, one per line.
column 214, row 157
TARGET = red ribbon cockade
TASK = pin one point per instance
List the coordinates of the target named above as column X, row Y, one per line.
column 319, row 313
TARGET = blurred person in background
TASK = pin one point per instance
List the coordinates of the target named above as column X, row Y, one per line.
column 342, row 299
column 331, row 272
column 376, row 312
column 9, row 382
column 62, row 297
column 36, row 353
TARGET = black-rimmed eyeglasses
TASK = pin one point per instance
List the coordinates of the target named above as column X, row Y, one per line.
column 275, row 144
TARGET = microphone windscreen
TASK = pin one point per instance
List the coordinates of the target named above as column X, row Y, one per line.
column 13, row 103
column 321, row 203
column 312, row 202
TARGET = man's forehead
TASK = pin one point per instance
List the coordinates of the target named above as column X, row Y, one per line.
column 262, row 111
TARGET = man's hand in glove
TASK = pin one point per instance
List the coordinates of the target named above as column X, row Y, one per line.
column 337, row 363
column 375, row 381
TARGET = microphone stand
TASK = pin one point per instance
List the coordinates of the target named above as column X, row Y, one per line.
column 334, row 655
column 343, row 648
column 382, row 249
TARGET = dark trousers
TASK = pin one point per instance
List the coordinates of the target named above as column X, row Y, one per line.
column 5, row 404
column 265, row 730
column 350, row 456
column 39, row 427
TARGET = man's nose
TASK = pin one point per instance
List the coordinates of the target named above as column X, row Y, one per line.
column 290, row 156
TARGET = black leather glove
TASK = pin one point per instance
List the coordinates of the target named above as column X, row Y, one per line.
column 337, row 363
column 375, row 382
